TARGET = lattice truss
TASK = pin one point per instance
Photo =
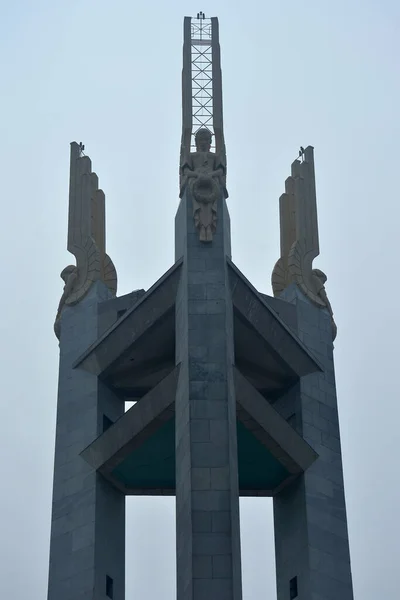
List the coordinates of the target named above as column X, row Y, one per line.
column 202, row 82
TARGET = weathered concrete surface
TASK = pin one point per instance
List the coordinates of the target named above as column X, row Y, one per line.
column 311, row 537
column 88, row 514
column 207, row 495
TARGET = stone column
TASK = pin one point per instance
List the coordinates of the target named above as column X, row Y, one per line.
column 311, row 538
column 87, row 547
column 207, row 496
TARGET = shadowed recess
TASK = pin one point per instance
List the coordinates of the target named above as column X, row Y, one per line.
column 152, row 465
column 258, row 469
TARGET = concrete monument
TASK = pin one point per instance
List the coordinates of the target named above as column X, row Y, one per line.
column 233, row 390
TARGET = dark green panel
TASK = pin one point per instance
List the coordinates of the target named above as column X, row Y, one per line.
column 258, row 469
column 152, row 465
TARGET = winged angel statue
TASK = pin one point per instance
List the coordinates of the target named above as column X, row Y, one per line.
column 299, row 237
column 204, row 173
column 86, row 236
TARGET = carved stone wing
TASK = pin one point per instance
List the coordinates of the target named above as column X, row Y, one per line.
column 108, row 274
column 287, row 216
column 86, row 228
column 306, row 247
column 299, row 236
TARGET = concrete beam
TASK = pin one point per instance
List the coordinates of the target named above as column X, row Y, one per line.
column 132, row 429
column 117, row 341
column 267, row 425
column 286, row 347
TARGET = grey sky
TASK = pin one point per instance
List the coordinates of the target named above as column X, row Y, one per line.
column 108, row 73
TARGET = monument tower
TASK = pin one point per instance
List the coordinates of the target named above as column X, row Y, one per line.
column 234, row 390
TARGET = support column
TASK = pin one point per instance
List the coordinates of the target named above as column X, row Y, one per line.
column 311, row 538
column 87, row 548
column 207, row 495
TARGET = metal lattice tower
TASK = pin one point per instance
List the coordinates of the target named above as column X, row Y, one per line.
column 202, row 82
column 202, row 79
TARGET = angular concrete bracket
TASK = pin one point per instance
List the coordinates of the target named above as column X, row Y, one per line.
column 131, row 431
column 267, row 425
column 116, row 343
column 289, row 355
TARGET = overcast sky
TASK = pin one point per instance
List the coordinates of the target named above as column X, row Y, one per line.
column 108, row 73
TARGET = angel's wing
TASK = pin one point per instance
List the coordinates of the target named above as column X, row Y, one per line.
column 306, row 246
column 306, row 206
column 86, row 227
column 287, row 218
